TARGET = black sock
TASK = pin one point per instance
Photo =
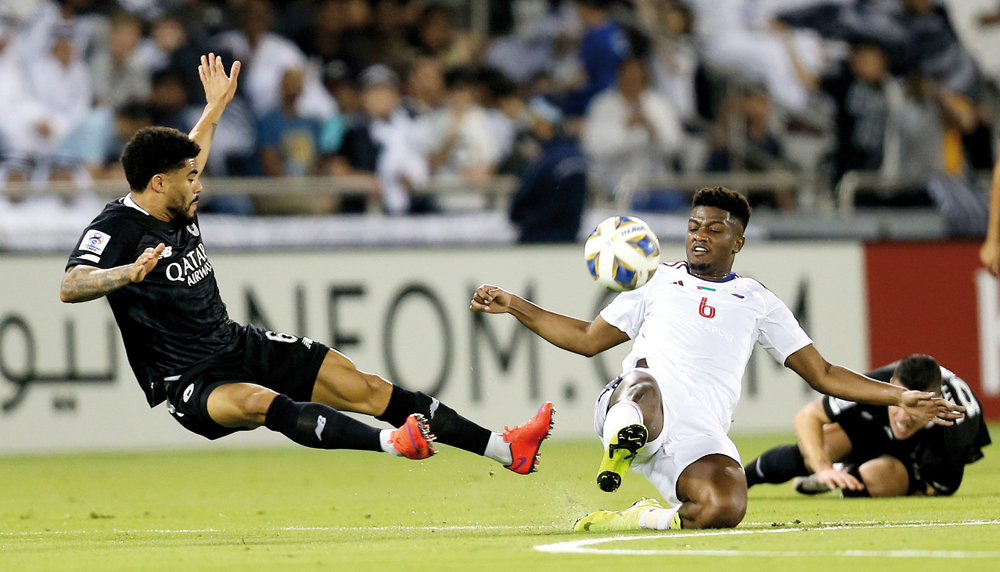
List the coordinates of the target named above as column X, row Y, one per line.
column 777, row 465
column 448, row 426
column 320, row 427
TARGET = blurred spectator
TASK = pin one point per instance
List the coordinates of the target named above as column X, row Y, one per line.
column 603, row 49
column 865, row 97
column 934, row 48
column 386, row 143
column 170, row 47
column 24, row 117
column 674, row 59
column 168, row 99
column 287, row 140
column 118, row 74
column 392, row 47
column 437, row 37
column 288, row 148
column 60, row 81
column 266, row 56
column 459, row 136
column 128, row 119
column 425, row 89
column 549, row 201
column 734, row 43
column 70, row 18
column 631, row 133
column 343, row 50
column 761, row 150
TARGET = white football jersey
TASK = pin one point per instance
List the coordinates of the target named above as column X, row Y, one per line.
column 697, row 335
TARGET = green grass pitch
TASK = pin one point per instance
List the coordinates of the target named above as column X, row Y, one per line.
column 262, row 510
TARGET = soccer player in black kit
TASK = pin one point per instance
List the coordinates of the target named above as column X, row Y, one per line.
column 882, row 451
column 145, row 253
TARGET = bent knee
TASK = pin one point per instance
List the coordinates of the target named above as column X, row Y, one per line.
column 255, row 405
column 724, row 511
column 638, row 386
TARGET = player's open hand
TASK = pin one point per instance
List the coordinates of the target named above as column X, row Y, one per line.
column 839, row 479
column 490, row 299
column 145, row 263
column 219, row 88
column 927, row 407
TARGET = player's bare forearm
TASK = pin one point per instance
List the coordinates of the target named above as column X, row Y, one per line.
column 203, row 133
column 83, row 283
column 559, row 330
column 578, row 336
column 841, row 382
column 808, row 425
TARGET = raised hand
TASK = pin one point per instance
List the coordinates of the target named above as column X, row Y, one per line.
column 145, row 263
column 219, row 88
column 490, row 299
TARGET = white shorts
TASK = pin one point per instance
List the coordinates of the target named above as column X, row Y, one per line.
column 688, row 435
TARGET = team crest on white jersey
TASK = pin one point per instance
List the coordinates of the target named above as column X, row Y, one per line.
column 193, row 229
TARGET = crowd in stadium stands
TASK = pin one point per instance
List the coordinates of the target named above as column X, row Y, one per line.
column 565, row 94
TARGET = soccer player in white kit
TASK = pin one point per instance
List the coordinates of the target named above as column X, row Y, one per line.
column 693, row 327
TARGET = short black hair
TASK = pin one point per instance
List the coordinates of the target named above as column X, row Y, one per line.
column 726, row 199
column 919, row 372
column 154, row 150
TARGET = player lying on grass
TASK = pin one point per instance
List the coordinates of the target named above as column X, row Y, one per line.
column 883, row 451
column 145, row 253
column 694, row 326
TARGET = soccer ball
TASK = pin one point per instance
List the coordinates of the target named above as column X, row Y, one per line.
column 622, row 253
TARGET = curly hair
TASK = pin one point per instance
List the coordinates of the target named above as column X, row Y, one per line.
column 155, row 150
column 919, row 372
column 726, row 199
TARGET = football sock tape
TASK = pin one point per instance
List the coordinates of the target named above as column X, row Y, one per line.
column 320, row 427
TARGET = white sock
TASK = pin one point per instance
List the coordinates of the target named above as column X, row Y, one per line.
column 383, row 438
column 621, row 415
column 658, row 518
column 499, row 450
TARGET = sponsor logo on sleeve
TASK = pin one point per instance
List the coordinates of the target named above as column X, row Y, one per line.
column 95, row 241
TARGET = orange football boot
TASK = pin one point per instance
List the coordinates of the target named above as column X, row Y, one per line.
column 526, row 439
column 413, row 438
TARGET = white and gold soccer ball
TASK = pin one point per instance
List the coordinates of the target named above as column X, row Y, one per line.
column 622, row 253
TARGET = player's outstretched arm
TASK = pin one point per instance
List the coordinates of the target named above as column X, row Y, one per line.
column 808, row 424
column 989, row 253
column 219, row 91
column 585, row 338
column 841, row 382
column 82, row 283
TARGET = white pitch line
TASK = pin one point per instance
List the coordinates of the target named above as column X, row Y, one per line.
column 398, row 528
column 583, row 546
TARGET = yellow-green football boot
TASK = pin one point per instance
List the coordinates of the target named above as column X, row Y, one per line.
column 611, row 521
column 619, row 455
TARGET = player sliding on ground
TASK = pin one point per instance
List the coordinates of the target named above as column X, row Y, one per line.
column 694, row 325
column 866, row 450
column 145, row 253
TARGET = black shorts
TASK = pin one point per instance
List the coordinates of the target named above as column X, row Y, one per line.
column 872, row 445
column 280, row 362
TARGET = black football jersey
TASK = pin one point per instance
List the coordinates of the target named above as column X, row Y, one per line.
column 175, row 317
column 937, row 453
